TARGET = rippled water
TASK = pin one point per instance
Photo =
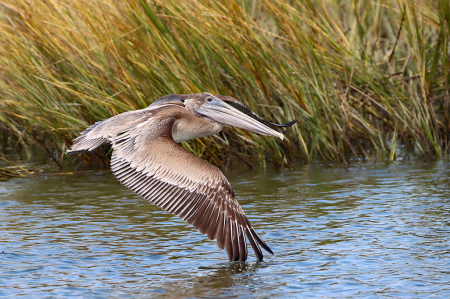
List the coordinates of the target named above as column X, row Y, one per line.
column 361, row 231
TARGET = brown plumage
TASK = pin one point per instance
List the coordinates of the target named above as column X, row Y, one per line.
column 148, row 160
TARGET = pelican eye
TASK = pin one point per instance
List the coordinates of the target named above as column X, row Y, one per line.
column 209, row 99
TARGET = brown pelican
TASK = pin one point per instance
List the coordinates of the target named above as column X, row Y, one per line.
column 148, row 159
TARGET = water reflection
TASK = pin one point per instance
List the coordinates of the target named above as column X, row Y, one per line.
column 356, row 231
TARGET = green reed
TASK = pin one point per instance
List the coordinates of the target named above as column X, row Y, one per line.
column 366, row 79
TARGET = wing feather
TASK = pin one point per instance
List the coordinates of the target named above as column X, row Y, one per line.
column 228, row 239
column 219, row 235
column 242, row 244
column 108, row 129
column 211, row 227
column 203, row 223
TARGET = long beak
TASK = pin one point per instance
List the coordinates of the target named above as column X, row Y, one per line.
column 237, row 115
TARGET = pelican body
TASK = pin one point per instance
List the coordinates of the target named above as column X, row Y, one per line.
column 148, row 159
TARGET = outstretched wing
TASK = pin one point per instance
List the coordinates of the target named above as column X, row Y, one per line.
column 148, row 161
column 108, row 129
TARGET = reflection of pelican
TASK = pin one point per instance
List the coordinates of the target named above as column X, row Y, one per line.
column 148, row 159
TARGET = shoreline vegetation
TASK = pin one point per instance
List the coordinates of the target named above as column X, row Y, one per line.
column 368, row 80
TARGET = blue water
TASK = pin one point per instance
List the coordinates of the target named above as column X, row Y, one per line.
column 361, row 231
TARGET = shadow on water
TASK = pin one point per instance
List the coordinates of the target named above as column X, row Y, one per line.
column 364, row 230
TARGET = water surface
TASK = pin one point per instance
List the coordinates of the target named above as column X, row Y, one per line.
column 360, row 231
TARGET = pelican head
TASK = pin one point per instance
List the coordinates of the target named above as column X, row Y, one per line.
column 227, row 110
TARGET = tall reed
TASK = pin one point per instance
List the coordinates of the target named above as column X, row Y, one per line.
column 366, row 79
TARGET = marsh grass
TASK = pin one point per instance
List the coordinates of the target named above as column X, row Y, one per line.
column 6, row 174
column 366, row 79
column 9, row 169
